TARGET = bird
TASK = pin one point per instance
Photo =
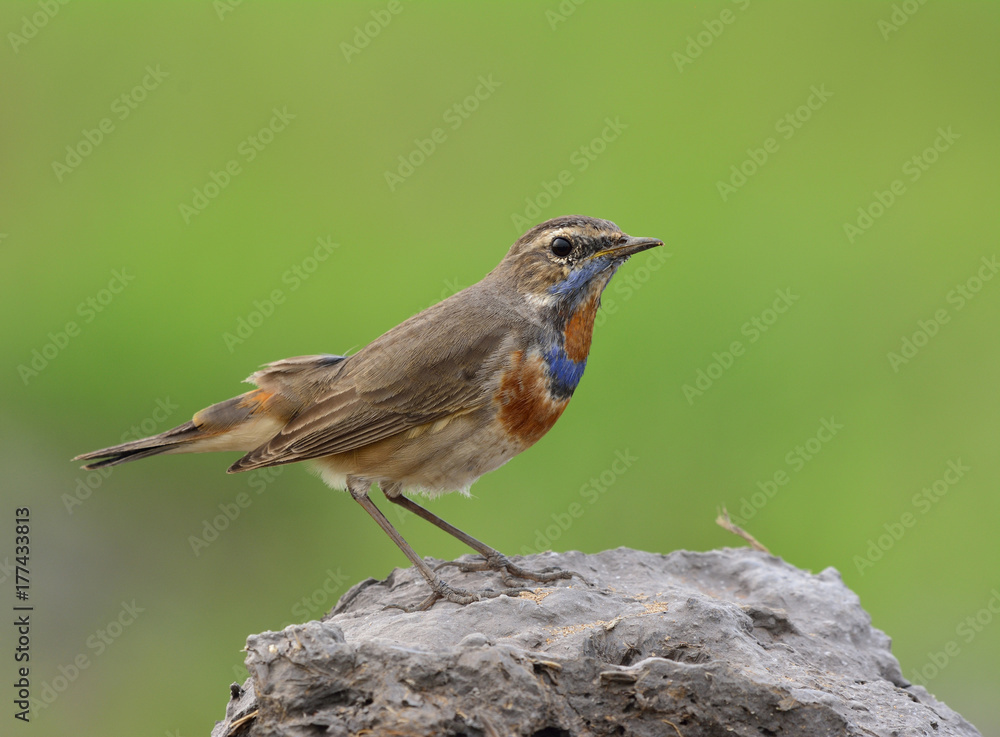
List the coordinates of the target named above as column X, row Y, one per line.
column 448, row 395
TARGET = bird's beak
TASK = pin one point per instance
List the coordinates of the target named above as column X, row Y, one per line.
column 629, row 247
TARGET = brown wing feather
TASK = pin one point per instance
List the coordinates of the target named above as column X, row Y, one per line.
column 430, row 367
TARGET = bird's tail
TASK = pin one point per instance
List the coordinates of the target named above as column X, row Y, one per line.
column 241, row 423
column 166, row 442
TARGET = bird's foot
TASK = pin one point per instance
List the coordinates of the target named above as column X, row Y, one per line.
column 441, row 590
column 509, row 571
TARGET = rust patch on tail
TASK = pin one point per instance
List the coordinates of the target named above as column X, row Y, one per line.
column 527, row 411
column 580, row 329
column 232, row 412
column 256, row 400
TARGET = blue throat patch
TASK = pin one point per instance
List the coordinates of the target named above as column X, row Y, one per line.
column 564, row 372
column 580, row 277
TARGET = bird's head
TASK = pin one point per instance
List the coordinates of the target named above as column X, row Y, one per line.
column 569, row 259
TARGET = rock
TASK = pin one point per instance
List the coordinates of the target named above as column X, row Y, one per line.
column 725, row 642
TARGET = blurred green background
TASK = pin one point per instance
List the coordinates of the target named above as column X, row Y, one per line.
column 118, row 118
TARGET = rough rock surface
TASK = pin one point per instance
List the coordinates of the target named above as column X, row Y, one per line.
column 728, row 642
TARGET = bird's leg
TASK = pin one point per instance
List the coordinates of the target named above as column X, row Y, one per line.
column 441, row 590
column 493, row 560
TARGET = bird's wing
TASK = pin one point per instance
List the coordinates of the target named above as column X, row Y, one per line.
column 439, row 363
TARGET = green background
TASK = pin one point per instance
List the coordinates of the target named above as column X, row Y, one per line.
column 555, row 76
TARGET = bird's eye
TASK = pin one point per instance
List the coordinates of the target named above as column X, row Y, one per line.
column 561, row 247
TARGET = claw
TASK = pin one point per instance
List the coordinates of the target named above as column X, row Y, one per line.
column 456, row 595
column 509, row 570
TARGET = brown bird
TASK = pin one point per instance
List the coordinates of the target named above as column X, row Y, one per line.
column 441, row 399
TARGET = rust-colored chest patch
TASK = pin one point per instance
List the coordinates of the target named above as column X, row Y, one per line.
column 527, row 411
column 580, row 329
